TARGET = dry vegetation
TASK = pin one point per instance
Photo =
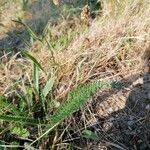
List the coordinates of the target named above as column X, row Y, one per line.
column 110, row 47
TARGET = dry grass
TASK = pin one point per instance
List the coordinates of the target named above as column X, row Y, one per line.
column 111, row 47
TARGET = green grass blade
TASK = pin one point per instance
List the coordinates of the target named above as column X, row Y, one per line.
column 36, row 77
column 6, row 105
column 24, row 4
column 33, row 59
column 20, row 119
column 48, row 86
column 49, row 130
column 29, row 30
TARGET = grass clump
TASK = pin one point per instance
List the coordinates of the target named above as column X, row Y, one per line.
column 57, row 77
column 38, row 95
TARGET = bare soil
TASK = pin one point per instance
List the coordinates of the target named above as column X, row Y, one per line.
column 120, row 118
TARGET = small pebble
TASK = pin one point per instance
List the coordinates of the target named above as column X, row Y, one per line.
column 107, row 126
column 147, row 107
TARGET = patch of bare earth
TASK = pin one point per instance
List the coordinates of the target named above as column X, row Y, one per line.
column 120, row 117
column 126, row 117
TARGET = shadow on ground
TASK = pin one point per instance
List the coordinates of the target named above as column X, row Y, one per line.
column 129, row 128
column 120, row 117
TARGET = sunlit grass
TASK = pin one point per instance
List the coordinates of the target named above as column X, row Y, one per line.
column 54, row 77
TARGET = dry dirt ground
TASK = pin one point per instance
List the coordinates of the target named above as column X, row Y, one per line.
column 120, row 117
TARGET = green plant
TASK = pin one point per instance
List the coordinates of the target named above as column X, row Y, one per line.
column 24, row 4
column 88, row 134
column 19, row 131
column 32, row 34
column 35, row 94
column 76, row 98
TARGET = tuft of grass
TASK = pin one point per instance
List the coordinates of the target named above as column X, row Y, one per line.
column 76, row 99
column 38, row 95
column 66, row 58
